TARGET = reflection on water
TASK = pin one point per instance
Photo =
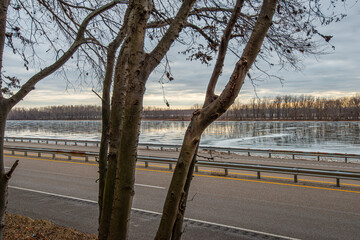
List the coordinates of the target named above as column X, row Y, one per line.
column 308, row 136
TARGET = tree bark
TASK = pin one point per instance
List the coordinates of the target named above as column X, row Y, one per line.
column 176, row 189
column 137, row 67
column 3, row 16
column 208, row 114
column 178, row 226
column 127, row 148
column 116, row 119
column 3, row 180
column 7, row 104
column 106, row 111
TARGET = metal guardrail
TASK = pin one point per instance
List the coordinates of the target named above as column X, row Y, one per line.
column 210, row 164
column 249, row 151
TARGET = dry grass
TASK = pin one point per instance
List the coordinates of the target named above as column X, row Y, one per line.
column 21, row 228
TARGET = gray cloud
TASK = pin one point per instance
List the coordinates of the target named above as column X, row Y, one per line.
column 333, row 74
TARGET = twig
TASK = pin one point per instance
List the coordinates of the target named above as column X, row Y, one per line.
column 10, row 172
column 98, row 95
column 211, row 158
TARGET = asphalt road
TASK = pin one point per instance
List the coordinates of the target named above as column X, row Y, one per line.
column 310, row 209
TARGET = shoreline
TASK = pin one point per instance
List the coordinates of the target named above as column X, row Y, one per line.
column 188, row 120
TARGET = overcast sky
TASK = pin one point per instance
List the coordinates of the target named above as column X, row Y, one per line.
column 332, row 75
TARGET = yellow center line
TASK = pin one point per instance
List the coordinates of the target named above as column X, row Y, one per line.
column 208, row 176
column 263, row 176
column 52, row 160
column 257, row 181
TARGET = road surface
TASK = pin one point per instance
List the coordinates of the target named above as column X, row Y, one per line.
column 237, row 206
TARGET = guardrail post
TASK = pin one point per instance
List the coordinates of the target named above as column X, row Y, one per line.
column 338, row 182
column 269, row 155
column 65, row 143
column 293, row 156
column 69, row 157
column 295, row 178
column 196, row 169
column 12, row 152
column 318, row 158
column 86, row 159
column 146, row 164
column 226, row 172
column 170, row 166
column 85, row 144
column 38, row 140
column 75, row 143
column 228, row 152
column 346, row 159
column 161, row 148
column 22, row 140
column 258, row 175
column 53, row 156
column 47, row 142
column 56, row 142
column 177, row 149
column 249, row 154
column 39, row 154
column 97, row 144
column 25, row 153
column 14, row 139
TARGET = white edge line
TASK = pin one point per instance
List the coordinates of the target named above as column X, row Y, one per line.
column 152, row 212
column 53, row 194
column 150, row 186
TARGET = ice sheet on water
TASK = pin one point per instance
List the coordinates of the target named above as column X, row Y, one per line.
column 343, row 137
column 236, row 142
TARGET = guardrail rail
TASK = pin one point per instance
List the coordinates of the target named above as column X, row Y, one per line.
column 249, row 151
column 295, row 171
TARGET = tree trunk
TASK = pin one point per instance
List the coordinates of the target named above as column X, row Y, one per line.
column 212, row 110
column 178, row 226
column 125, row 175
column 116, row 116
column 4, row 177
column 105, row 113
column 128, row 114
column 3, row 180
column 176, row 190
column 3, row 16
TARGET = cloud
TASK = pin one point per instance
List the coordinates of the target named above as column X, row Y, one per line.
column 335, row 74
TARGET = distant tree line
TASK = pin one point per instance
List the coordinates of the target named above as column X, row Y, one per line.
column 77, row 112
column 277, row 108
column 297, row 108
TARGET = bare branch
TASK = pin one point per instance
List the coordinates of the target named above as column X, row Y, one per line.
column 10, row 172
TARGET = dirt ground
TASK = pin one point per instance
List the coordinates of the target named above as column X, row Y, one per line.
column 21, row 228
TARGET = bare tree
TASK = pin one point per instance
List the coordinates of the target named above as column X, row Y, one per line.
column 264, row 30
column 70, row 19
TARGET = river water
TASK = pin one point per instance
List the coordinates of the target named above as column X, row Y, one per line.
column 342, row 137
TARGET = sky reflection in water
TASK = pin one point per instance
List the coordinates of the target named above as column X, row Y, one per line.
column 341, row 137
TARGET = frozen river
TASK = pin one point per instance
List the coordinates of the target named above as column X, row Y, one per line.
column 342, row 137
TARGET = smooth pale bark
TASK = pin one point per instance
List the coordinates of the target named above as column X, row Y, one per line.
column 125, row 171
column 105, row 112
column 210, row 96
column 178, row 226
column 3, row 16
column 204, row 117
column 116, row 114
column 137, row 66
